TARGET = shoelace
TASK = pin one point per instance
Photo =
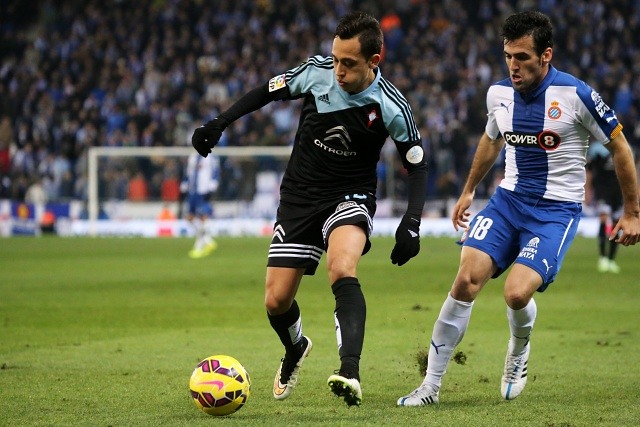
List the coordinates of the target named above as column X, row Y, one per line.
column 513, row 369
column 421, row 391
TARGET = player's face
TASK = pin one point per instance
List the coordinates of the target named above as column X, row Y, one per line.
column 526, row 68
column 354, row 72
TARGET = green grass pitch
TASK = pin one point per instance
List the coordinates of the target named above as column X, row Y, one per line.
column 106, row 332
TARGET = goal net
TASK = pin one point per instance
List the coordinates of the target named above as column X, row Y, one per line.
column 136, row 182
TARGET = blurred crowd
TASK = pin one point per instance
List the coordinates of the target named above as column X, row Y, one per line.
column 78, row 73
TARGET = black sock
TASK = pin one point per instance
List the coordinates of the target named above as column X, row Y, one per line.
column 350, row 314
column 285, row 326
column 613, row 248
column 602, row 239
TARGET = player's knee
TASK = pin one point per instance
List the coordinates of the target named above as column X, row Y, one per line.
column 516, row 298
column 276, row 304
column 339, row 268
column 465, row 289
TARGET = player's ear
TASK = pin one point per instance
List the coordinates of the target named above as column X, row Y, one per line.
column 374, row 60
column 547, row 55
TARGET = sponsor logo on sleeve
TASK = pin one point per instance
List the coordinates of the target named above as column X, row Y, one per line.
column 277, row 82
column 602, row 109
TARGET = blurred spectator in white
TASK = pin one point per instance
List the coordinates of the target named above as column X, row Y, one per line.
column 36, row 193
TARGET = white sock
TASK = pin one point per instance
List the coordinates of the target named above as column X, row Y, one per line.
column 447, row 333
column 200, row 233
column 521, row 323
column 207, row 238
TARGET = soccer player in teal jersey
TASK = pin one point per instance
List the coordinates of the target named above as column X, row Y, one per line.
column 327, row 194
column 602, row 179
column 544, row 118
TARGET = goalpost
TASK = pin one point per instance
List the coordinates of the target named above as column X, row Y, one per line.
column 95, row 153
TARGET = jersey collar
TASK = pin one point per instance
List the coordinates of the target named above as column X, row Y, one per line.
column 542, row 87
column 368, row 90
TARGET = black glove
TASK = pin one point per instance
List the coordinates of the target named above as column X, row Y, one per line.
column 407, row 240
column 207, row 136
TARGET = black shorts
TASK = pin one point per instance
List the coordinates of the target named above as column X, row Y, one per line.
column 302, row 230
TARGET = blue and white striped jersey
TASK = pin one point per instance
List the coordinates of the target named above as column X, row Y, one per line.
column 202, row 174
column 547, row 134
column 340, row 135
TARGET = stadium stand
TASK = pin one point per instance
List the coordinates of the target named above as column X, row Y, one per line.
column 144, row 73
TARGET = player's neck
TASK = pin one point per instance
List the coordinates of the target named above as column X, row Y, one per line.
column 371, row 76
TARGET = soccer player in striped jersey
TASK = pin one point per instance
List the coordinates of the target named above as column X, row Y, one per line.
column 327, row 194
column 544, row 119
column 201, row 179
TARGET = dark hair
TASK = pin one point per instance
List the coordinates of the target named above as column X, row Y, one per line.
column 530, row 23
column 366, row 27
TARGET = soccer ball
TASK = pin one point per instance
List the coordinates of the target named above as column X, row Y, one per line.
column 219, row 385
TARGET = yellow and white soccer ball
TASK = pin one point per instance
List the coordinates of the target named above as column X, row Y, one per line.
column 220, row 385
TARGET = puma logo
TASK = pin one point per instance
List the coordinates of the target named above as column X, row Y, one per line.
column 436, row 347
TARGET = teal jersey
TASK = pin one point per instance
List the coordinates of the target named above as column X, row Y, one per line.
column 340, row 135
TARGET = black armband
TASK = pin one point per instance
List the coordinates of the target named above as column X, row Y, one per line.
column 412, row 155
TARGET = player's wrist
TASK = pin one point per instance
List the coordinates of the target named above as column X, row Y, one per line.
column 220, row 123
column 411, row 217
column 223, row 121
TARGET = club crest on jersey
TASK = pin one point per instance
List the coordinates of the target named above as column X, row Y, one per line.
column 547, row 139
column 554, row 112
column 277, row 82
column 372, row 116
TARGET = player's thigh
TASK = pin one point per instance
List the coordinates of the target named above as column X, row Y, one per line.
column 546, row 240
column 475, row 270
column 347, row 213
column 492, row 231
column 344, row 249
column 297, row 240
